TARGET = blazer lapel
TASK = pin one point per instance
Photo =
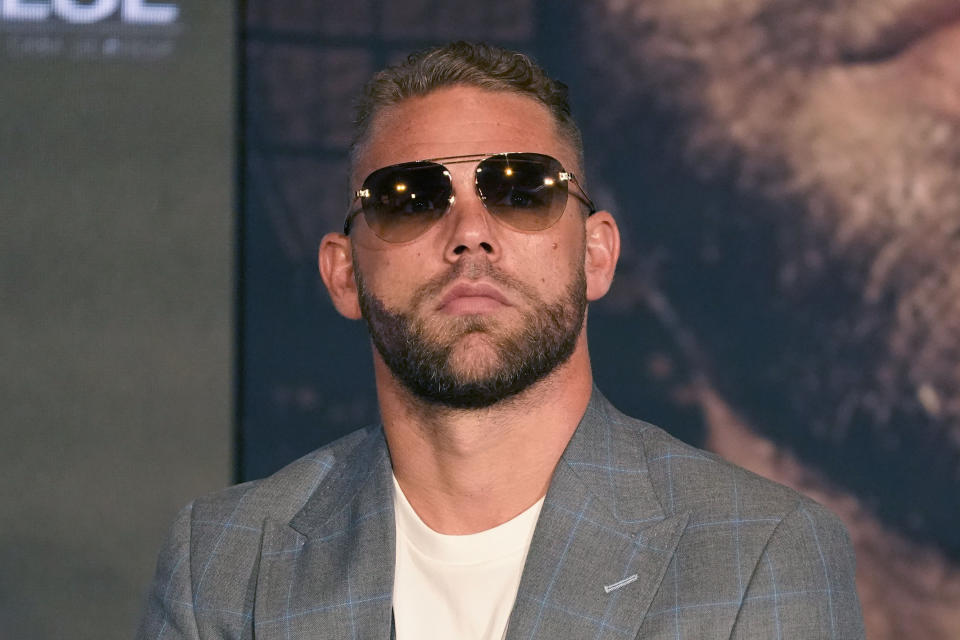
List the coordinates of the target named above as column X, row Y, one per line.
column 602, row 543
column 328, row 573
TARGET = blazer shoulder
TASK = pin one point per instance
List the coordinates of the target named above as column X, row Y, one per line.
column 207, row 571
column 278, row 496
column 746, row 538
column 688, row 479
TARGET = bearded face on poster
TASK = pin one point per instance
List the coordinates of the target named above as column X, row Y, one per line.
column 799, row 236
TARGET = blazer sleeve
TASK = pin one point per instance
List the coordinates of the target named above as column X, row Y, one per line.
column 169, row 611
column 803, row 583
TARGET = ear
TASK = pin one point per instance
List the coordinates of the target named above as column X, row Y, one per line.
column 602, row 253
column 336, row 268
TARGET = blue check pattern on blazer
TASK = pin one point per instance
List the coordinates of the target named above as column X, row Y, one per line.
column 640, row 536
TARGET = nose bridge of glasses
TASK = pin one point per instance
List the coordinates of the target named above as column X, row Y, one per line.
column 463, row 182
column 469, row 220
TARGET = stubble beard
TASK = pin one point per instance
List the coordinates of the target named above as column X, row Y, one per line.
column 436, row 366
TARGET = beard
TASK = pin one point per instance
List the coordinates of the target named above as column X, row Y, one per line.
column 423, row 358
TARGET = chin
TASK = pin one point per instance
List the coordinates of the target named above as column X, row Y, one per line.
column 475, row 358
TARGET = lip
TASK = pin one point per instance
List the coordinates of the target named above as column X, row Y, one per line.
column 473, row 297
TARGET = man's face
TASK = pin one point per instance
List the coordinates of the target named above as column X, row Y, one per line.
column 472, row 311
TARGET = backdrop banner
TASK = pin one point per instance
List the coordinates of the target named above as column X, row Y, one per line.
column 787, row 179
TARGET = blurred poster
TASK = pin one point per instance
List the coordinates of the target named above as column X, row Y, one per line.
column 787, row 178
column 126, row 29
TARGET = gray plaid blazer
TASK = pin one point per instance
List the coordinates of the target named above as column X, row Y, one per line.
column 640, row 536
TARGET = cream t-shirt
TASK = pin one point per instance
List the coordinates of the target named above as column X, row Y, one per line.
column 459, row 587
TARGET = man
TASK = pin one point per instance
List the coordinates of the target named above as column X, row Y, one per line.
column 502, row 496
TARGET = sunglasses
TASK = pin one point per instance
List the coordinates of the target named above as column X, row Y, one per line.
column 525, row 191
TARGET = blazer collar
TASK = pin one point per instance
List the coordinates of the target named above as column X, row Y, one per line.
column 603, row 541
column 359, row 486
column 328, row 573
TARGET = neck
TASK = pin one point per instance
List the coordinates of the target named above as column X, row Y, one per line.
column 467, row 470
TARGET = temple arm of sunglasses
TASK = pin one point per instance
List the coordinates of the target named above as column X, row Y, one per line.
column 349, row 220
column 584, row 198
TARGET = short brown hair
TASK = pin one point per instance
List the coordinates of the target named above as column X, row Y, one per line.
column 477, row 65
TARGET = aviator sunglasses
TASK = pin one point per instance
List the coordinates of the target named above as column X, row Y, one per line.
column 525, row 191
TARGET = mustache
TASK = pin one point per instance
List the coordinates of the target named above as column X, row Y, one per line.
column 471, row 269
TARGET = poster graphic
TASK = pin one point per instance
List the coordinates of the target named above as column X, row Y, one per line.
column 787, row 179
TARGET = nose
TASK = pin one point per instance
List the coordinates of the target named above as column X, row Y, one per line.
column 472, row 231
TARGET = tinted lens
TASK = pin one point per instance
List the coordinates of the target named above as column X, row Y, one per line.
column 405, row 199
column 524, row 190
